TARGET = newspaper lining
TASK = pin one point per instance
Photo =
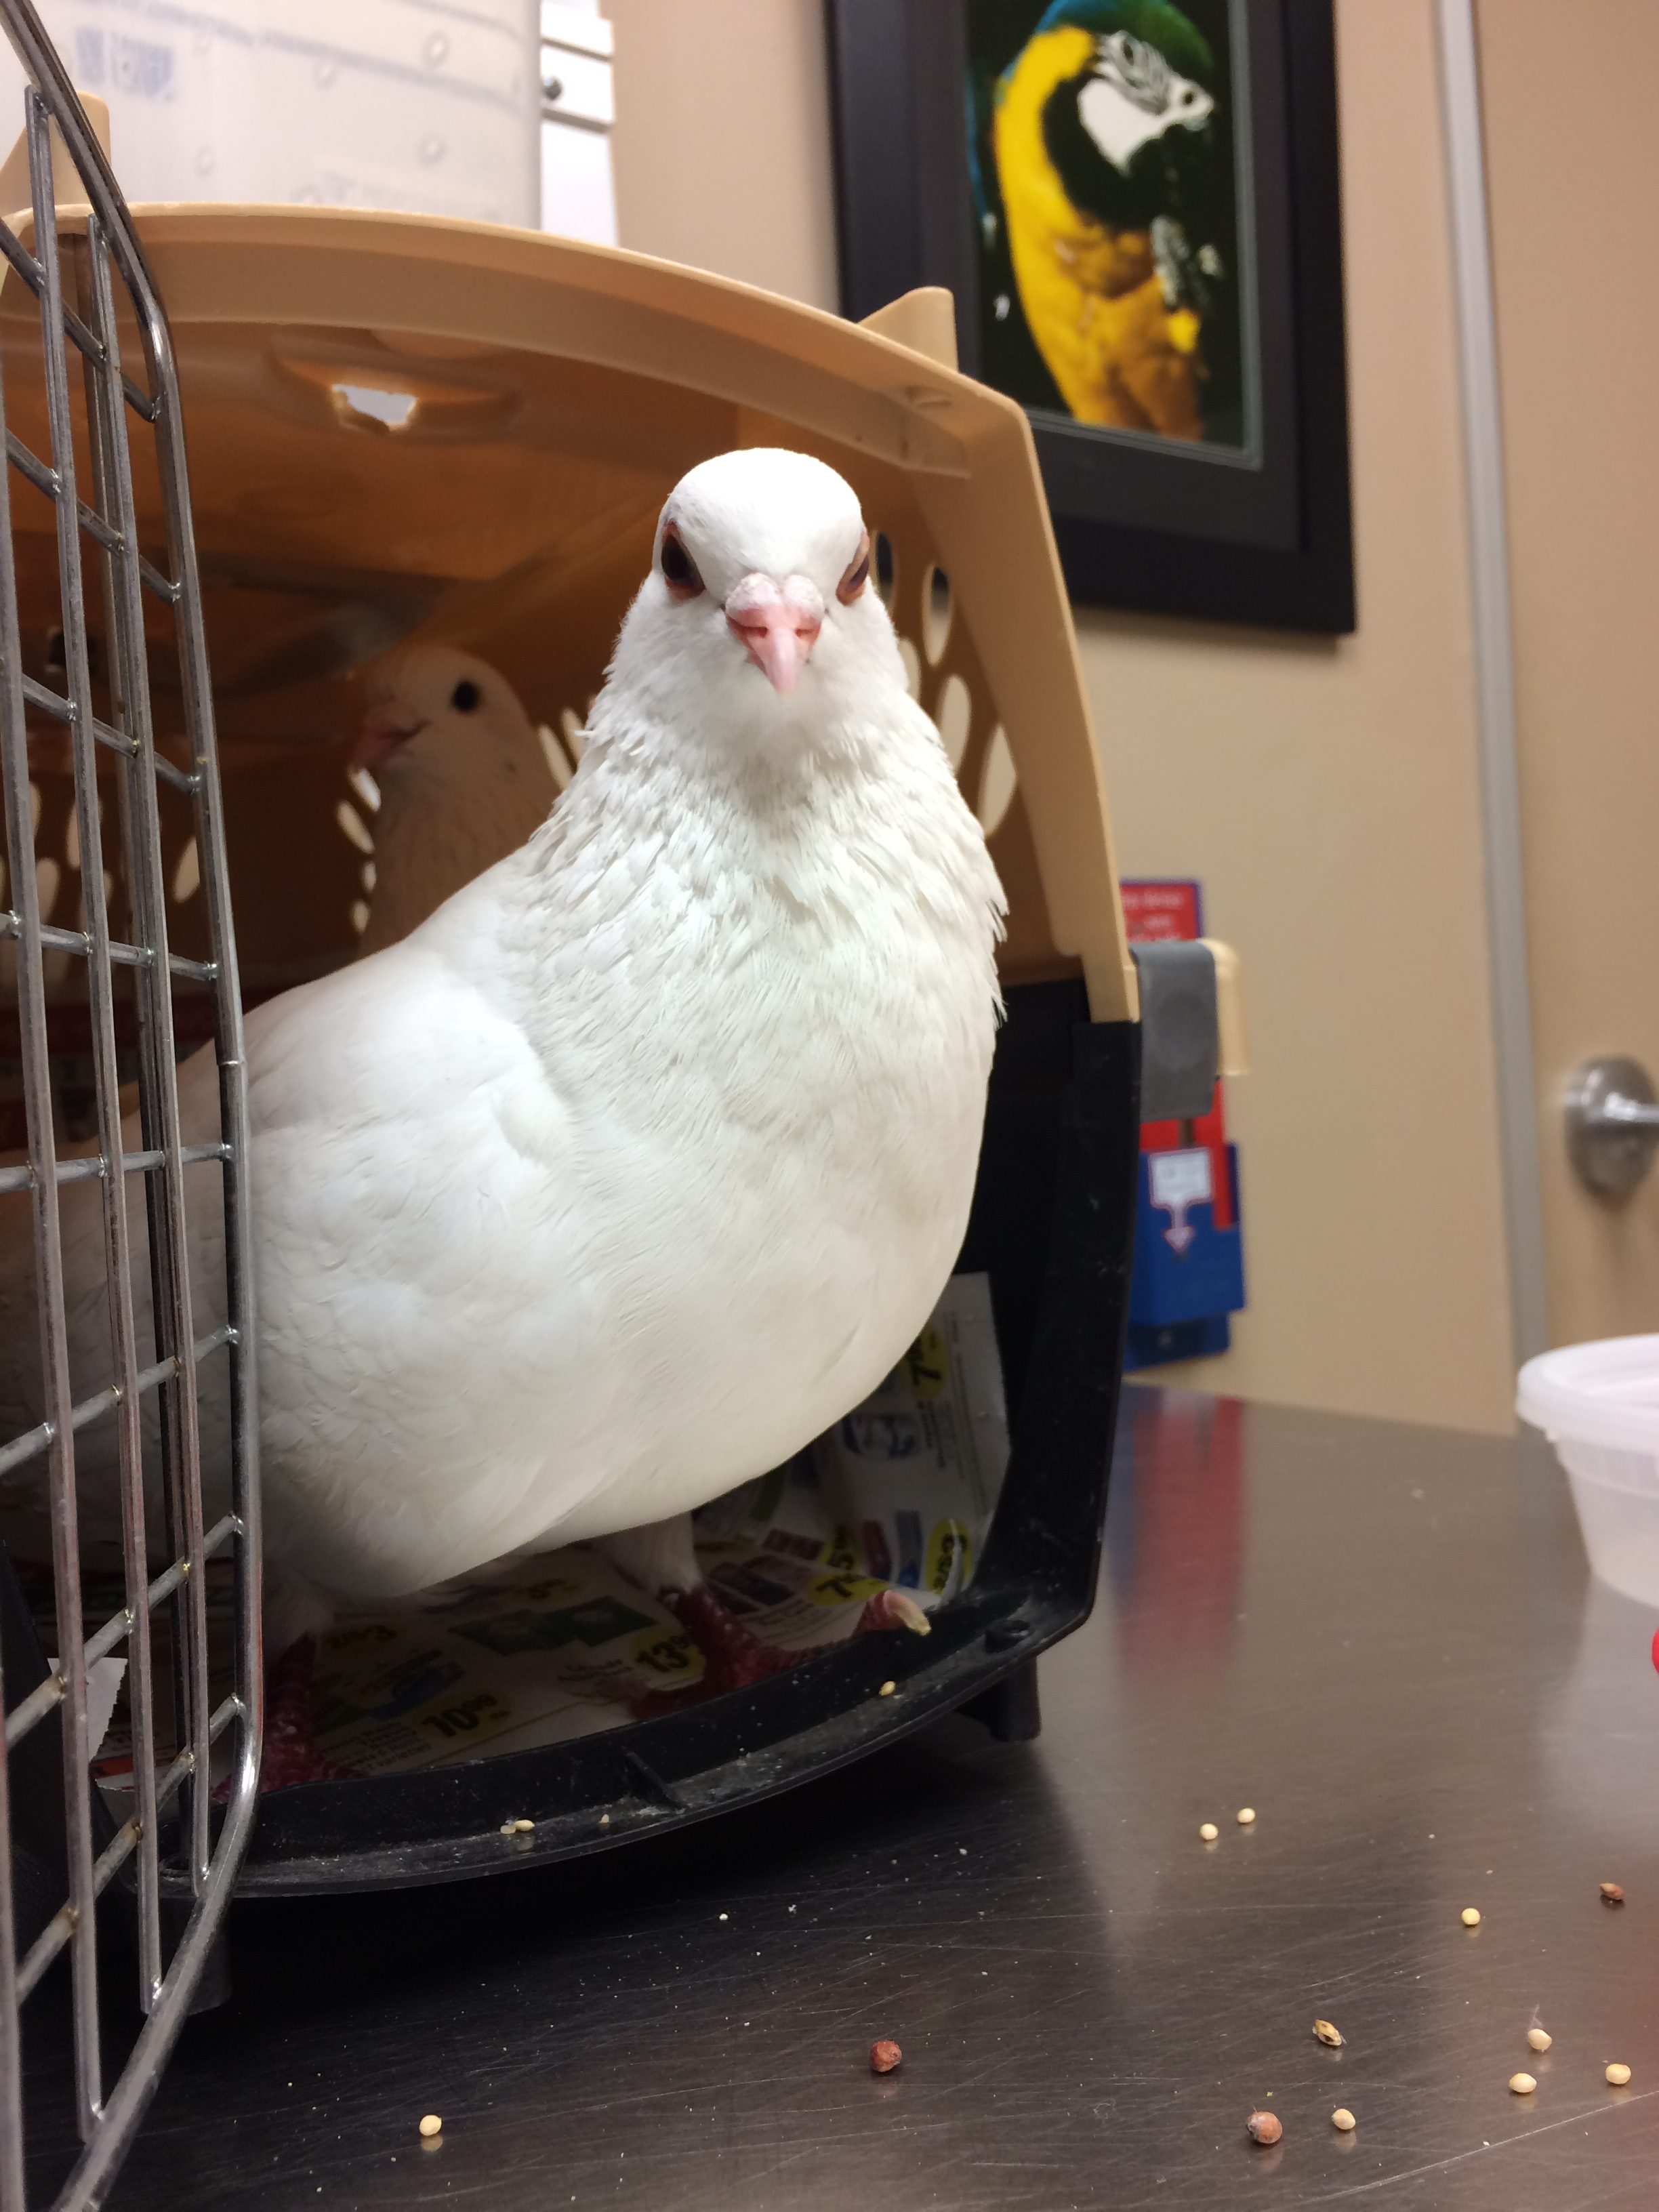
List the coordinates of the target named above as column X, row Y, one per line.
column 900, row 1492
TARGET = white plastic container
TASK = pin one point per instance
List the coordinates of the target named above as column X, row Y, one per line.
column 337, row 103
column 1598, row 1406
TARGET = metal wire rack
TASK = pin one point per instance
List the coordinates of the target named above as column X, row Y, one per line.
column 79, row 272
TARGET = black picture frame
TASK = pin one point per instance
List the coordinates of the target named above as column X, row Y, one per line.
column 1261, row 534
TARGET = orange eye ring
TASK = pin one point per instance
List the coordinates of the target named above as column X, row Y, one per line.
column 857, row 574
column 679, row 570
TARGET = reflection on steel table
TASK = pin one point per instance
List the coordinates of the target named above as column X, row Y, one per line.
column 1382, row 1638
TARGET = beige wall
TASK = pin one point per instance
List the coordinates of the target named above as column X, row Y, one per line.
column 1573, row 174
column 1324, row 793
column 721, row 148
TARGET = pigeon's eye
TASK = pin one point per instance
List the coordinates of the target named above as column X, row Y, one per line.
column 466, row 696
column 858, row 575
column 679, row 570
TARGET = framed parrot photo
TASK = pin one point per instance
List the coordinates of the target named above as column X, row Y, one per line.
column 1136, row 206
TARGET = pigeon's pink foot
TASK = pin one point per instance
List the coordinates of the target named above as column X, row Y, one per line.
column 735, row 1655
column 894, row 1609
column 291, row 1753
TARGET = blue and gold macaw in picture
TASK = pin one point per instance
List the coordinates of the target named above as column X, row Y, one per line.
column 1106, row 133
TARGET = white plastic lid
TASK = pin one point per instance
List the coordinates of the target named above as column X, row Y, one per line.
column 1604, row 1393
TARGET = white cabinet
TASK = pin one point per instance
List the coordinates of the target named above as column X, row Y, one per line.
column 577, row 195
column 376, row 104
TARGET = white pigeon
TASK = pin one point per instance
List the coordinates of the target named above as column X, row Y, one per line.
column 462, row 776
column 643, row 1161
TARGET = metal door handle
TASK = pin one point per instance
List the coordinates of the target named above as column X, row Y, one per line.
column 1612, row 1125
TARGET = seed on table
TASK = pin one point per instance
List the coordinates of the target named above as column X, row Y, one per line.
column 884, row 2056
column 1539, row 2038
column 1246, row 1816
column 1618, row 2075
column 1328, row 2034
column 1611, row 1894
column 431, row 2125
column 1521, row 2085
column 1343, row 2120
column 887, row 1689
column 1264, row 2128
column 1469, row 1917
column 522, row 1828
column 1208, row 1832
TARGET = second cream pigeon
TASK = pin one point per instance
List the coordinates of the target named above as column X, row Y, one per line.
column 462, row 776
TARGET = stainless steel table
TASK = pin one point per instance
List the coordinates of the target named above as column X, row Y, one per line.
column 1382, row 1638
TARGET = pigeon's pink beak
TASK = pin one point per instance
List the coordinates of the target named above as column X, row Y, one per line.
column 779, row 624
column 384, row 730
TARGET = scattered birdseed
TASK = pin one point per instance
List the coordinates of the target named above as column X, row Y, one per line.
column 522, row 1828
column 1208, row 1832
column 726, row 1915
column 1469, row 1917
column 1264, row 2128
column 887, row 1689
column 1343, row 2120
column 604, row 1820
column 509, row 1827
column 1521, row 2085
column 1539, row 2038
column 1328, row 2034
column 884, row 2056
column 1611, row 1894
column 1246, row 1816
column 431, row 2125
column 1618, row 2075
